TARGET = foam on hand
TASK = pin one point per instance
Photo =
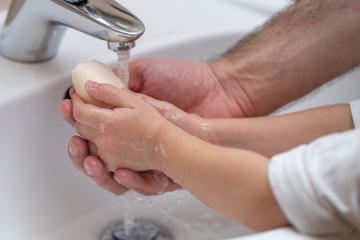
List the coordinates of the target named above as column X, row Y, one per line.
column 94, row 71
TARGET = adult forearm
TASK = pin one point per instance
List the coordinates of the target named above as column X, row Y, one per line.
column 309, row 44
column 275, row 134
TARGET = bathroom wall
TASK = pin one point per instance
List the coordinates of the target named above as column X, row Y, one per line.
column 4, row 4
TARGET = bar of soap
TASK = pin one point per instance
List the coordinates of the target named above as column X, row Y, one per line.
column 94, row 71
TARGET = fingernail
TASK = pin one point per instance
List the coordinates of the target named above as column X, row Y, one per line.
column 73, row 150
column 91, row 84
column 124, row 185
column 89, row 170
column 119, row 181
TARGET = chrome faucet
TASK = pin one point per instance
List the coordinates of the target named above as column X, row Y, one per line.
column 34, row 28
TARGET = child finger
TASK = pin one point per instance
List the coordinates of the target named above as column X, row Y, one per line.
column 112, row 95
column 88, row 114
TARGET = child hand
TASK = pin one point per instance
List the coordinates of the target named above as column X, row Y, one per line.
column 190, row 123
column 125, row 135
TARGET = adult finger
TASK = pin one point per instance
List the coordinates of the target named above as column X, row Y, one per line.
column 94, row 150
column 92, row 166
column 96, row 169
column 87, row 132
column 66, row 110
column 146, row 183
column 136, row 72
column 78, row 151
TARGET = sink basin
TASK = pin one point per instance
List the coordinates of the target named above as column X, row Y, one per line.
column 45, row 198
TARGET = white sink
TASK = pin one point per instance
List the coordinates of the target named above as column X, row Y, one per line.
column 43, row 197
column 48, row 199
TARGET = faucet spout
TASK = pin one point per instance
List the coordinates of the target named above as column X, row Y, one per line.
column 34, row 28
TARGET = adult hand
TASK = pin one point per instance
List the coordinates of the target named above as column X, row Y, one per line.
column 92, row 166
column 146, row 183
column 200, row 88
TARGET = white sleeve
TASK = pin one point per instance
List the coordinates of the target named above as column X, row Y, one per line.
column 355, row 112
column 318, row 185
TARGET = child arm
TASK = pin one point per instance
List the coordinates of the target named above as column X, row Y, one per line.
column 275, row 134
column 267, row 135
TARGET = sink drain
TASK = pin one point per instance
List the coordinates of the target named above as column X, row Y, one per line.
column 141, row 230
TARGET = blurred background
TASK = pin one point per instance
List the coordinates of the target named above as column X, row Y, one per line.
column 4, row 4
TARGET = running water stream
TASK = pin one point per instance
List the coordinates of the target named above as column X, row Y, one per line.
column 128, row 214
column 122, row 70
column 130, row 228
